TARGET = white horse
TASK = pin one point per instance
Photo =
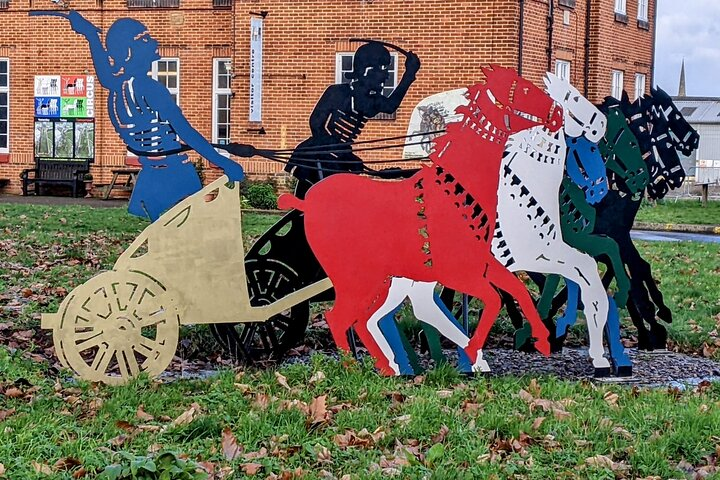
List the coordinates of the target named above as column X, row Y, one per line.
column 527, row 233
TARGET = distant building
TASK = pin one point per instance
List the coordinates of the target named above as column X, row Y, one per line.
column 703, row 113
column 602, row 46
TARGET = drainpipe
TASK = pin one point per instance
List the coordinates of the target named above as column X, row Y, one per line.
column 652, row 57
column 521, row 35
column 586, row 83
column 551, row 22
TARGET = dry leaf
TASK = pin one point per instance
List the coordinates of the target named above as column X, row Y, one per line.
column 6, row 413
column 323, row 454
column 67, row 463
column 600, row 461
column 2, row 470
column 534, row 387
column 251, row 468
column 318, row 414
column 13, row 392
column 611, row 399
column 262, row 401
column 262, row 453
column 470, row 407
column 440, row 437
column 41, row 468
column 231, row 449
column 537, row 423
column 402, row 419
column 124, row 425
column 119, row 440
column 187, row 416
column 525, row 396
column 80, row 473
column 281, row 380
column 317, row 377
column 142, row 415
column 444, row 393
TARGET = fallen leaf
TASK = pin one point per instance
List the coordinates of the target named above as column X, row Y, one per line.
column 251, row 468
column 231, row 449
column 444, row 393
column 537, row 423
column 119, row 440
column 282, row 380
column 262, row 453
column 80, row 473
column 440, row 437
column 262, row 401
column 317, row 377
column 534, row 387
column 611, row 399
column 124, row 425
column 13, row 392
column 323, row 454
column 2, row 470
column 144, row 416
column 67, row 463
column 6, row 413
column 526, row 396
column 187, row 416
column 41, row 468
column 470, row 407
column 318, row 414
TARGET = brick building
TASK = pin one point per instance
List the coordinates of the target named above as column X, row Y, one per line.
column 604, row 46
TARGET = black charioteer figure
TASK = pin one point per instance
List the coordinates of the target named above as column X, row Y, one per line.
column 342, row 112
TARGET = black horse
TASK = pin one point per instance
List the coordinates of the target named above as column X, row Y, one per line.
column 661, row 132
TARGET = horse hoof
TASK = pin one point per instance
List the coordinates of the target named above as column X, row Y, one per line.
column 664, row 314
column 542, row 345
column 480, row 365
column 602, row 372
column 623, row 370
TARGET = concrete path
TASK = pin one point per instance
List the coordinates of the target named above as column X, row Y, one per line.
column 62, row 201
column 654, row 236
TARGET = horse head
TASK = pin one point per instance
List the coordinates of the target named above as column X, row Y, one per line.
column 621, row 152
column 684, row 137
column 582, row 118
column 586, row 168
column 653, row 135
column 508, row 102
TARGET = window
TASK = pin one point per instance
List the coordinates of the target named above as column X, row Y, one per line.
column 617, row 83
column 639, row 85
column 167, row 72
column 4, row 4
column 643, row 10
column 222, row 3
column 343, row 65
column 621, row 7
column 153, row 3
column 567, row 3
column 562, row 69
column 4, row 104
column 687, row 111
column 222, row 75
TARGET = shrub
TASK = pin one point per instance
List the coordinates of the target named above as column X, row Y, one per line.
column 262, row 195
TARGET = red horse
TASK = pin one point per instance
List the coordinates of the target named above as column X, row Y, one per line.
column 436, row 226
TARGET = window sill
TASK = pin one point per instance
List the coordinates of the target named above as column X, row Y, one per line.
column 621, row 18
column 384, row 116
column 643, row 24
column 4, row 157
column 567, row 3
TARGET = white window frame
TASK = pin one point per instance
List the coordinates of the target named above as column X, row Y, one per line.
column 621, row 7
column 643, row 10
column 563, row 69
column 340, row 73
column 156, row 74
column 617, row 83
column 6, row 90
column 217, row 93
column 640, row 79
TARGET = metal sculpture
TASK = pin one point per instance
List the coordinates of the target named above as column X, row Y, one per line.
column 377, row 238
column 661, row 132
column 531, row 174
column 283, row 252
column 145, row 115
column 187, row 267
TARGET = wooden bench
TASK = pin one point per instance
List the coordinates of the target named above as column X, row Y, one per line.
column 55, row 172
column 127, row 186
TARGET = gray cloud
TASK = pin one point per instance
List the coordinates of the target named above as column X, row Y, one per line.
column 690, row 30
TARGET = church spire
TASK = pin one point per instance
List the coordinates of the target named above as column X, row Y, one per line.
column 681, row 88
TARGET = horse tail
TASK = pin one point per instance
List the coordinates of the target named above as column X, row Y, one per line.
column 286, row 201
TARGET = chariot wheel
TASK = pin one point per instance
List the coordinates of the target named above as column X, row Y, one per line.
column 268, row 281
column 116, row 326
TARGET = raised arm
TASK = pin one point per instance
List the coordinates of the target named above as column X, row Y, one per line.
column 101, row 59
column 391, row 103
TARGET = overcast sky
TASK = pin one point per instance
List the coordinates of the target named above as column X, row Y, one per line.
column 688, row 29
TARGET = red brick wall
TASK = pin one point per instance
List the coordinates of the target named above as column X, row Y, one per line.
column 452, row 38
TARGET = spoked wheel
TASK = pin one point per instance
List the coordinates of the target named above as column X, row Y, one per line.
column 268, row 281
column 116, row 326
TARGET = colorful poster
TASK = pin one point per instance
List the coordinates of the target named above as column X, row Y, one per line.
column 47, row 107
column 47, row 85
column 75, row 107
column 73, row 85
column 84, row 139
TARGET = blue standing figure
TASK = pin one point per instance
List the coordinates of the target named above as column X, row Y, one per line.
column 146, row 116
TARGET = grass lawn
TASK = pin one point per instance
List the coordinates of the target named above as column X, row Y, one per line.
column 347, row 420
column 683, row 211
